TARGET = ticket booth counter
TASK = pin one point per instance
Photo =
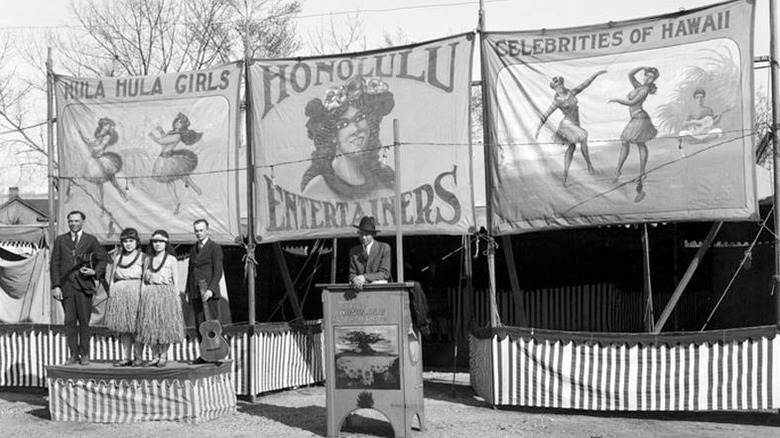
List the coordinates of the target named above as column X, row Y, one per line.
column 373, row 356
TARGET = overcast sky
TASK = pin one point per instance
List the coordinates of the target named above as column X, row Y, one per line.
column 426, row 19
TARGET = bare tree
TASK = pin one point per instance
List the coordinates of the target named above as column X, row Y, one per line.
column 336, row 36
column 397, row 38
column 143, row 37
column 22, row 145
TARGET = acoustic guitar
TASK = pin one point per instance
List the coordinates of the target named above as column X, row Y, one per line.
column 213, row 346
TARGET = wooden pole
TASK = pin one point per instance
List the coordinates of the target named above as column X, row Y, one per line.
column 334, row 260
column 648, row 286
column 511, row 267
column 250, row 205
column 678, row 291
column 399, row 238
column 288, row 283
column 50, row 143
column 776, row 152
column 52, row 229
column 491, row 252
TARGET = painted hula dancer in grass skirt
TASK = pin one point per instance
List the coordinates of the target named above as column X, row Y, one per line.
column 640, row 128
column 124, row 286
column 176, row 164
column 569, row 131
column 160, row 320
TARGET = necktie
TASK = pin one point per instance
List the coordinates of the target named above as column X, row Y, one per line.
column 75, row 239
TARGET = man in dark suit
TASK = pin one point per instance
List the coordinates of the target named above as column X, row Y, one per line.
column 203, row 275
column 77, row 263
column 371, row 260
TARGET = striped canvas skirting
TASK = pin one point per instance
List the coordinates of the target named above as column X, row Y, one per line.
column 705, row 372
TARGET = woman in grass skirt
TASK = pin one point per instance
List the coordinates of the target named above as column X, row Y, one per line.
column 160, row 320
column 124, row 297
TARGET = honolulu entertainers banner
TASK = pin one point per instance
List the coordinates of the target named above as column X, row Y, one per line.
column 647, row 120
column 323, row 135
column 153, row 152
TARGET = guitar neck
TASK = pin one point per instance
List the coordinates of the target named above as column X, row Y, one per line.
column 207, row 310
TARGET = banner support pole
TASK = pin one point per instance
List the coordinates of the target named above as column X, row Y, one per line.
column 399, row 237
column 678, row 291
column 52, row 228
column 647, row 281
column 491, row 252
column 250, row 208
column 775, row 152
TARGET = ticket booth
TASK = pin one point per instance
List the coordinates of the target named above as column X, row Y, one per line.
column 373, row 355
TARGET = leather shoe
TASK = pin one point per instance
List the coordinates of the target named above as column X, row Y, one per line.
column 72, row 360
column 84, row 361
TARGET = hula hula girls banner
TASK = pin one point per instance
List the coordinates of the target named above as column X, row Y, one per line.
column 153, row 152
column 323, row 136
column 644, row 120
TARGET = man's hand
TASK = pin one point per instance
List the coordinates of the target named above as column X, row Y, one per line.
column 205, row 296
column 88, row 272
column 56, row 293
column 358, row 281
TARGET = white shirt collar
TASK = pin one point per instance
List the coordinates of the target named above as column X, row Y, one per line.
column 368, row 247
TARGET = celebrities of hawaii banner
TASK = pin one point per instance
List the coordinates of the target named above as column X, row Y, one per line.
column 153, row 152
column 644, row 120
column 323, row 136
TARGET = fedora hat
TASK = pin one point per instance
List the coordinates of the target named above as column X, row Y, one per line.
column 367, row 225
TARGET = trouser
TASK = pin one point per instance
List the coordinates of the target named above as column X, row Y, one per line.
column 78, row 309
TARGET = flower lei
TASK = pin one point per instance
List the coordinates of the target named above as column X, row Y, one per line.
column 122, row 256
column 157, row 269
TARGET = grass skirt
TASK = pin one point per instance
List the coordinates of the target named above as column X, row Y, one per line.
column 569, row 132
column 160, row 318
column 174, row 165
column 640, row 129
column 122, row 306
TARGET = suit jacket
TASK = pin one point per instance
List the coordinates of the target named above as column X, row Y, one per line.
column 205, row 264
column 66, row 261
column 375, row 267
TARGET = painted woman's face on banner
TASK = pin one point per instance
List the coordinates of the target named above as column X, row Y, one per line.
column 352, row 131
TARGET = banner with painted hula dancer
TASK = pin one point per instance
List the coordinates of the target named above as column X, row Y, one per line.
column 152, row 152
column 644, row 120
column 323, row 136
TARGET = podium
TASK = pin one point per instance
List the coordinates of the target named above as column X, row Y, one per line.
column 373, row 355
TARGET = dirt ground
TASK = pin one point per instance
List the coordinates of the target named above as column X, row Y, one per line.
column 451, row 410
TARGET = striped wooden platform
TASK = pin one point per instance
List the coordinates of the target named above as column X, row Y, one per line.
column 101, row 393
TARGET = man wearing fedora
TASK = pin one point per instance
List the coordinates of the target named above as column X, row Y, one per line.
column 370, row 261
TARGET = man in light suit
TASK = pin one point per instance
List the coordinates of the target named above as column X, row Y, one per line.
column 77, row 262
column 205, row 268
column 370, row 261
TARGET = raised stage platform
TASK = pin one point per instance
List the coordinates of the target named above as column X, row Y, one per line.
column 102, row 393
column 284, row 356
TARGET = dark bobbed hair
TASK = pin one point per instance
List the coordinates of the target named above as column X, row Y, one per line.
column 129, row 233
column 168, row 249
